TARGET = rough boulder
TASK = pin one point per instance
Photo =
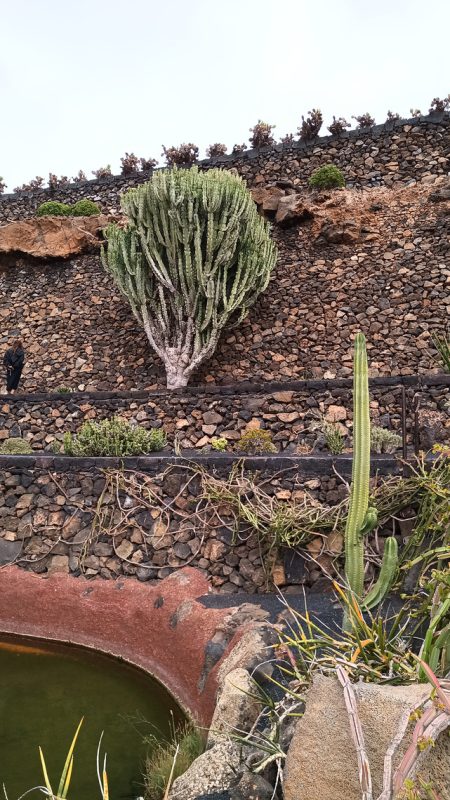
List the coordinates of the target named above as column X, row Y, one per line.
column 51, row 237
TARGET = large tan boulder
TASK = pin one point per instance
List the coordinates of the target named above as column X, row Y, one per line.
column 51, row 237
column 321, row 762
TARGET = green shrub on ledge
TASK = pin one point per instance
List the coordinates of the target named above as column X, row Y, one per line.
column 327, row 177
column 256, row 442
column 15, row 447
column 52, row 208
column 113, row 437
column 85, row 208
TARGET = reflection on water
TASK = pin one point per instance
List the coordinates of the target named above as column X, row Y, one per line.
column 44, row 692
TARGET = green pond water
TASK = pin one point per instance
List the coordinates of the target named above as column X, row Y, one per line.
column 44, row 692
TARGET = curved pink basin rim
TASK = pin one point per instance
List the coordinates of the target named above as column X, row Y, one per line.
column 160, row 628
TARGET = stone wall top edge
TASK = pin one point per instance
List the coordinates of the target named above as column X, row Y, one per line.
column 319, row 465
column 421, row 381
column 375, row 131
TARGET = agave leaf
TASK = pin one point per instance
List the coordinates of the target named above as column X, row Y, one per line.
column 64, row 784
column 45, row 773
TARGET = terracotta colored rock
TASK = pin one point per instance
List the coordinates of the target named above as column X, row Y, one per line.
column 51, row 237
column 291, row 209
column 267, row 197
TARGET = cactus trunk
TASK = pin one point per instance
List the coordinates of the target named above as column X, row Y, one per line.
column 359, row 496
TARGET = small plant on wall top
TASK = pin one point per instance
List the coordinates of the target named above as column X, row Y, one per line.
column 338, row 126
column 195, row 256
column 32, row 186
column 183, row 156
column 439, row 106
column 365, row 121
column 2, row 185
column 147, row 164
column 102, row 172
column 239, row 148
column 215, row 150
column 327, row 177
column 261, row 134
column 310, row 127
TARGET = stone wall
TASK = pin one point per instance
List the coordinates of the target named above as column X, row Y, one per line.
column 292, row 411
column 49, row 521
column 382, row 268
column 400, row 151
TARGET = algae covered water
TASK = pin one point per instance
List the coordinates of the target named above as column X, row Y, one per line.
column 44, row 692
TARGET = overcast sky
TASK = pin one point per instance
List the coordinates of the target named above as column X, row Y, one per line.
column 84, row 81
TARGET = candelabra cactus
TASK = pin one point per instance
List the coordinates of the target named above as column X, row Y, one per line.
column 363, row 518
column 193, row 259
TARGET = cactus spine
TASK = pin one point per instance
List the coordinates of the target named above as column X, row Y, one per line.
column 363, row 518
column 193, row 258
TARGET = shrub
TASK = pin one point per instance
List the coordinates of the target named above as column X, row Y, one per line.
column 364, row 121
column 54, row 182
column 36, row 183
column 261, row 134
column 113, row 437
column 183, row 156
column 220, row 444
column 129, row 164
column 15, row 447
column 102, row 172
column 391, row 116
column 216, row 150
column 334, row 438
column 2, row 185
column 440, row 105
column 85, row 208
column 52, row 208
column 383, row 440
column 239, row 148
column 158, row 764
column 338, row 126
column 288, row 139
column 310, row 127
column 64, row 390
column 147, row 164
column 415, row 112
column 81, row 177
column 255, row 442
column 327, row 177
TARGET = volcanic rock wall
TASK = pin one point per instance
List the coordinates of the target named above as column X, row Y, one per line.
column 374, row 260
column 399, row 151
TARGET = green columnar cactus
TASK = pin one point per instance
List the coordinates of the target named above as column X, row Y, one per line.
column 363, row 518
column 193, row 258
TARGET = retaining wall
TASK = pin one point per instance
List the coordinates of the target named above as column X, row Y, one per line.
column 292, row 411
column 50, row 517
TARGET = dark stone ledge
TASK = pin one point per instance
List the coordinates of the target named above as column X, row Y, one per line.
column 243, row 388
column 314, row 465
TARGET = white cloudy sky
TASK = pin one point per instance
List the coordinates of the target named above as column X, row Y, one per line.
column 84, row 81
